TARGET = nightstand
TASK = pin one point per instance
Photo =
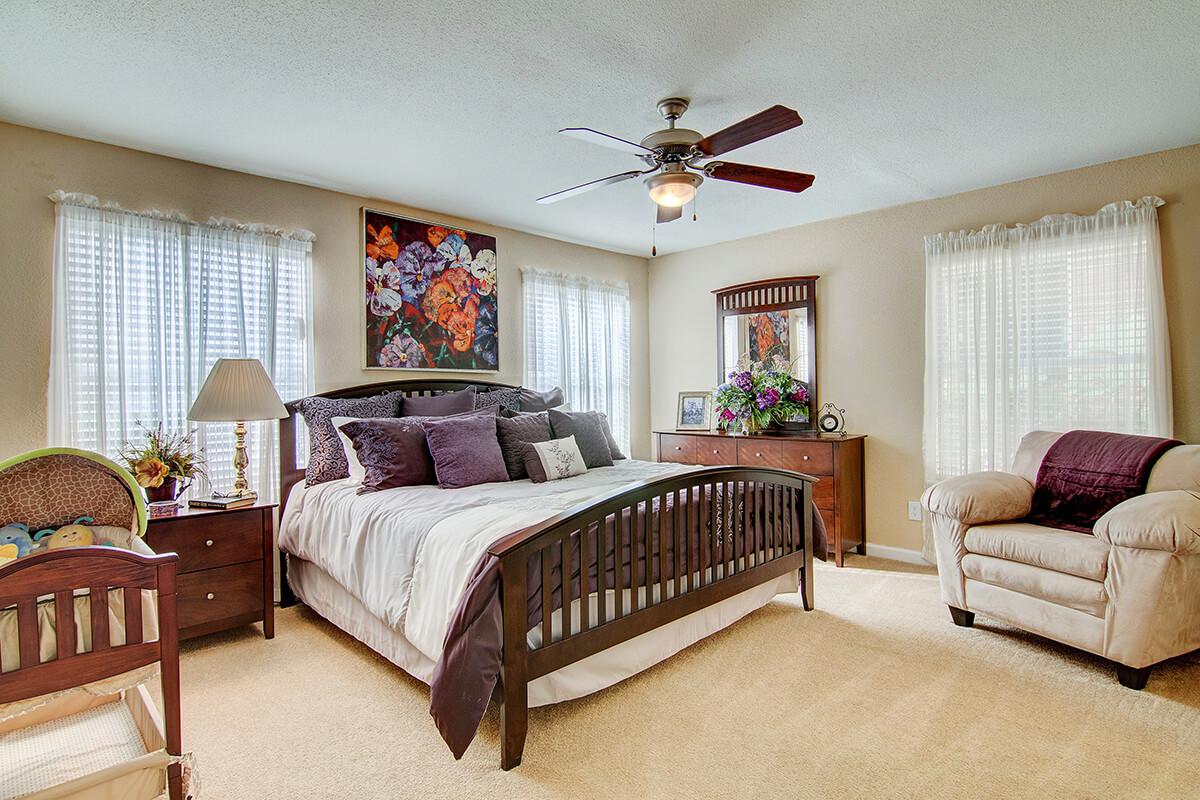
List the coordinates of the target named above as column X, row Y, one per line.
column 226, row 566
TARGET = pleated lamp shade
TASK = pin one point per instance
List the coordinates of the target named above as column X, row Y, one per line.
column 237, row 389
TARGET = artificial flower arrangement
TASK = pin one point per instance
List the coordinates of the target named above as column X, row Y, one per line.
column 162, row 460
column 757, row 395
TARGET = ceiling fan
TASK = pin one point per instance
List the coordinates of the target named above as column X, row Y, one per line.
column 677, row 159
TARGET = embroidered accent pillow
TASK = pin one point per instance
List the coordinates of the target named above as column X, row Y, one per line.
column 439, row 405
column 392, row 452
column 326, row 461
column 506, row 399
column 588, row 430
column 514, row 432
column 553, row 460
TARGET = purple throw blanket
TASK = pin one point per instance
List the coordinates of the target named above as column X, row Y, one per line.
column 466, row 675
column 1086, row 473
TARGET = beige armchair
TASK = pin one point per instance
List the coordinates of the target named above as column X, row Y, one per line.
column 1129, row 593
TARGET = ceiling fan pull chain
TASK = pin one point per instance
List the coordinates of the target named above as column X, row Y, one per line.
column 694, row 199
column 654, row 240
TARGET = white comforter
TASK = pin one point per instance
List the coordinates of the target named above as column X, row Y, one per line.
column 407, row 554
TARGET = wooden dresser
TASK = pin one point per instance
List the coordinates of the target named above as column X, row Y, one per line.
column 837, row 461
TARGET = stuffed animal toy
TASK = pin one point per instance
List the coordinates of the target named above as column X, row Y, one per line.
column 8, row 552
column 74, row 535
column 17, row 535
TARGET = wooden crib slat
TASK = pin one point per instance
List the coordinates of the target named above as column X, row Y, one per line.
column 133, row 615
column 64, row 623
column 548, row 595
column 27, row 633
column 98, row 603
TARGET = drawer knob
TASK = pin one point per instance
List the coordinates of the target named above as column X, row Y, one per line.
column 677, row 447
column 715, row 452
column 758, row 455
column 210, row 596
column 806, row 458
column 209, row 542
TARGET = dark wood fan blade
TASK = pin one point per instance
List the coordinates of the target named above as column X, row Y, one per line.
column 669, row 214
column 587, row 187
column 775, row 119
column 607, row 140
column 760, row 176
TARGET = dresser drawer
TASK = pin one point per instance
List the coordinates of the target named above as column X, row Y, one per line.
column 207, row 542
column 677, row 448
column 815, row 458
column 220, row 598
column 822, row 493
column 759, row 451
column 715, row 451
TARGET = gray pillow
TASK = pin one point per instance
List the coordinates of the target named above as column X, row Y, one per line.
column 326, row 460
column 465, row 450
column 506, row 399
column 439, row 405
column 588, row 430
column 515, row 432
column 541, row 401
column 613, row 447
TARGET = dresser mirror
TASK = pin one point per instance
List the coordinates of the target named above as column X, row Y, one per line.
column 767, row 319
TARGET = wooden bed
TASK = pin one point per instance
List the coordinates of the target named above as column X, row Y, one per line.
column 757, row 537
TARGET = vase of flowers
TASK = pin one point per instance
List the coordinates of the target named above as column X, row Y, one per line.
column 757, row 395
column 164, row 464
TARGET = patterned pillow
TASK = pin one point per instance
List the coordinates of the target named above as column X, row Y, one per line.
column 588, row 431
column 392, row 452
column 553, row 460
column 514, row 432
column 507, row 399
column 326, row 459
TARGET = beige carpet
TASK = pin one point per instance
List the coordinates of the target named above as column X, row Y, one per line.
column 874, row 694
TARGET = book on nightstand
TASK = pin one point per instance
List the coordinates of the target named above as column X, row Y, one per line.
column 223, row 503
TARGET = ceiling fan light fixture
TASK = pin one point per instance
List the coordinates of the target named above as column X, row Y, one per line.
column 673, row 189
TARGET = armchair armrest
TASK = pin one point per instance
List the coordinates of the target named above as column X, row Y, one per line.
column 980, row 498
column 1167, row 521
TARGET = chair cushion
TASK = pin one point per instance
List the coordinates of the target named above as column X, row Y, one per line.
column 1055, row 587
column 1079, row 554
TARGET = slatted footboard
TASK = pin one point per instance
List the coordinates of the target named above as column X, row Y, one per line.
column 603, row 573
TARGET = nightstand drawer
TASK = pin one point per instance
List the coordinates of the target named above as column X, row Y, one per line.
column 214, row 599
column 204, row 542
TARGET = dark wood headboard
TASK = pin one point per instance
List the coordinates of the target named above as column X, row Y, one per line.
column 290, row 473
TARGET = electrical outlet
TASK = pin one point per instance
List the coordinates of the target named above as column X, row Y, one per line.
column 914, row 510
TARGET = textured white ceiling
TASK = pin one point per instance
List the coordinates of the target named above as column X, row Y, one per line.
column 453, row 106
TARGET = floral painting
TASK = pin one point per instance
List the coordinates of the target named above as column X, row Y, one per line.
column 430, row 295
column 768, row 336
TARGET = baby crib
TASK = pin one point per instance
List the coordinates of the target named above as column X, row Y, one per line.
column 82, row 630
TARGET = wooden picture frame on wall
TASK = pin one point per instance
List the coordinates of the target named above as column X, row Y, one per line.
column 430, row 295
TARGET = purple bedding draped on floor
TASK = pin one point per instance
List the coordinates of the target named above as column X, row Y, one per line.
column 467, row 673
column 1086, row 473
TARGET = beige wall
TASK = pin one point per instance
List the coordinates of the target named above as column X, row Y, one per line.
column 34, row 163
column 870, row 306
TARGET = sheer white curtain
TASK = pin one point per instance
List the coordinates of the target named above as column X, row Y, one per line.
column 1054, row 325
column 144, row 303
column 577, row 337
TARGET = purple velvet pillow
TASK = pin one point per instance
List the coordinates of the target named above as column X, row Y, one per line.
column 392, row 452
column 465, row 450
column 439, row 405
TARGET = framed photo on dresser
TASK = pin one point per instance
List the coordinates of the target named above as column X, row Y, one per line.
column 694, row 412
column 430, row 296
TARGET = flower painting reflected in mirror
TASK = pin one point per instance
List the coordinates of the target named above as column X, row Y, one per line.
column 431, row 296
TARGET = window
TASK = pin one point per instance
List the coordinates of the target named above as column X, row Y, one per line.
column 143, row 306
column 577, row 337
column 1056, row 325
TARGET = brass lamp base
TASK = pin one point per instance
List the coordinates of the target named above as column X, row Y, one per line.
column 240, row 461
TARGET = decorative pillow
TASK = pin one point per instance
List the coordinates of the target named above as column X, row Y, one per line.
column 613, row 447
column 392, row 452
column 439, row 405
column 506, row 399
column 514, row 432
column 326, row 461
column 541, row 401
column 553, row 460
column 588, row 431
column 354, row 466
column 465, row 449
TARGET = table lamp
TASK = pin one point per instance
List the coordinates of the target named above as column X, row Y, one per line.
column 237, row 390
